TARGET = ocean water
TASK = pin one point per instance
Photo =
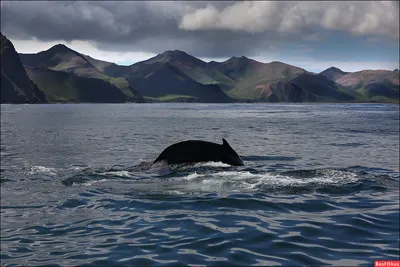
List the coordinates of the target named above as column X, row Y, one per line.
column 320, row 185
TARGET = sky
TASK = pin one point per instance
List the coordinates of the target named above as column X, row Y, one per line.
column 313, row 35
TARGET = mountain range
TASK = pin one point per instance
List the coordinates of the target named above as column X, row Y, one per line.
column 61, row 74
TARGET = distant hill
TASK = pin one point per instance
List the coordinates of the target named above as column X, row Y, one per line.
column 244, row 79
column 65, row 75
column 376, row 85
column 251, row 76
column 16, row 87
column 63, row 87
column 108, row 68
column 192, row 67
column 306, row 87
column 333, row 73
column 170, row 76
column 239, row 77
column 325, row 89
column 77, row 70
column 166, row 75
column 284, row 92
column 237, row 67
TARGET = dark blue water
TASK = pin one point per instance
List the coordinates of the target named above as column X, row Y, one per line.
column 320, row 185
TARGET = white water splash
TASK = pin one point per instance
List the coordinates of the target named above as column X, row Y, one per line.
column 90, row 182
column 212, row 164
column 193, row 176
column 247, row 180
column 41, row 170
column 117, row 173
column 77, row 168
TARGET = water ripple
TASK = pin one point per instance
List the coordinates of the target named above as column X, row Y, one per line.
column 78, row 187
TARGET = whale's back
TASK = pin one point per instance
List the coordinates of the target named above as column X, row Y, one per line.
column 199, row 151
column 189, row 151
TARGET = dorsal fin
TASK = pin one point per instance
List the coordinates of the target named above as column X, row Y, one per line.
column 225, row 143
column 226, row 146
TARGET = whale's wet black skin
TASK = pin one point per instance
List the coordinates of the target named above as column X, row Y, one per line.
column 200, row 151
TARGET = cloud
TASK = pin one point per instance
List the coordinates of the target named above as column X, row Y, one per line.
column 129, row 22
column 147, row 26
column 358, row 18
column 150, row 26
column 95, row 21
column 252, row 17
column 207, row 29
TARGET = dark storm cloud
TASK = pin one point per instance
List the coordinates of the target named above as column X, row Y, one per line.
column 95, row 21
column 204, row 29
column 201, row 44
column 129, row 26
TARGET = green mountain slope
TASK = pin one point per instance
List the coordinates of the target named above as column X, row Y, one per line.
column 62, row 59
column 239, row 78
column 375, row 85
column 177, row 76
column 285, row 92
column 161, row 80
column 166, row 77
column 237, row 68
column 170, row 76
column 306, row 88
column 190, row 67
column 108, row 68
column 252, row 76
column 16, row 87
column 325, row 89
column 68, row 87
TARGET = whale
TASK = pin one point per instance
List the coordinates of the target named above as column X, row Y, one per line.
column 193, row 151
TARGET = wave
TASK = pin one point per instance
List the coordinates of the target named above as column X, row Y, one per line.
column 265, row 158
column 219, row 177
column 41, row 170
column 212, row 164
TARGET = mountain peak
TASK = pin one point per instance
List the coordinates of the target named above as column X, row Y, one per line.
column 60, row 45
column 334, row 69
column 173, row 54
column 235, row 58
column 59, row 48
column 333, row 73
column 176, row 56
column 242, row 61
